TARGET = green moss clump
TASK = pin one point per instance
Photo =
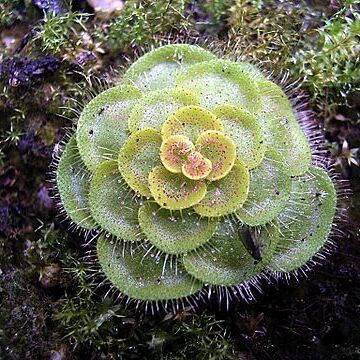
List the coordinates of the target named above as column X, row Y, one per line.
column 329, row 64
column 310, row 42
column 56, row 30
column 10, row 12
column 140, row 22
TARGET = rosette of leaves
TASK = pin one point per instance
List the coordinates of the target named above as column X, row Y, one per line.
column 196, row 174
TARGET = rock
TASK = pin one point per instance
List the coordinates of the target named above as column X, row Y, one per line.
column 55, row 6
column 105, row 8
column 50, row 276
column 21, row 71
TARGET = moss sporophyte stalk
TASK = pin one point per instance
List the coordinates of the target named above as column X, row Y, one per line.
column 195, row 173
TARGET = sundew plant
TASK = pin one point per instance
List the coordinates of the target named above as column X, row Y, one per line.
column 197, row 175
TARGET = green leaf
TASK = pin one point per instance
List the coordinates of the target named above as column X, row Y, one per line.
column 113, row 205
column 157, row 69
column 174, row 151
column 254, row 72
column 226, row 262
column 226, row 195
column 220, row 150
column 269, row 192
column 246, row 132
column 175, row 191
column 219, row 82
column 155, row 107
column 103, row 125
column 302, row 229
column 282, row 130
column 137, row 157
column 175, row 232
column 197, row 167
column 143, row 277
column 190, row 121
column 73, row 181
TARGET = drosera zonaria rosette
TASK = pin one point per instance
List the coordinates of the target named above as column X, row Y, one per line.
column 188, row 167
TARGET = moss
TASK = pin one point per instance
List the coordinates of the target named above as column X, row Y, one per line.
column 258, row 37
column 141, row 22
column 27, row 329
column 56, row 30
column 217, row 10
column 10, row 12
column 95, row 323
column 328, row 59
column 310, row 42
column 201, row 337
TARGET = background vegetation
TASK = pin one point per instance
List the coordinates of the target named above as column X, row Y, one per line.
column 51, row 306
